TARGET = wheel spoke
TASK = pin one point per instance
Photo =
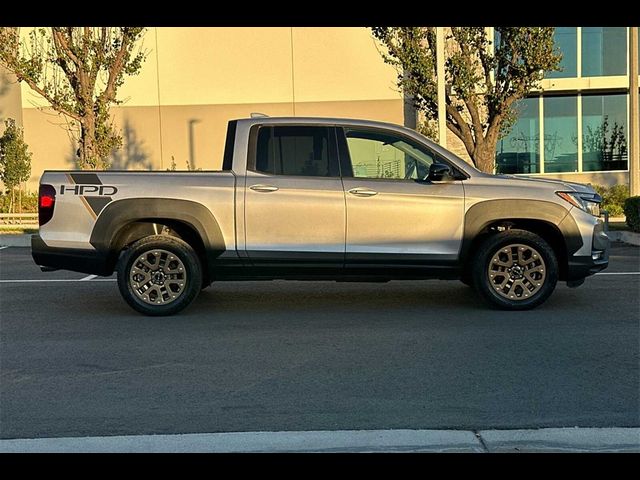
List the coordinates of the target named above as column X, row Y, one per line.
column 145, row 261
column 535, row 268
column 497, row 261
column 146, row 275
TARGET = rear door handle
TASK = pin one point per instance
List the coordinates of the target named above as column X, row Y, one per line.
column 263, row 188
column 362, row 192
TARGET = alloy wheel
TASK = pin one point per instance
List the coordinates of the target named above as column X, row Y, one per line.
column 158, row 277
column 516, row 271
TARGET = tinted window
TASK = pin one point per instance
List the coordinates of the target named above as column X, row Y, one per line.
column 565, row 38
column 380, row 155
column 302, row 151
column 560, row 134
column 604, row 132
column 604, row 51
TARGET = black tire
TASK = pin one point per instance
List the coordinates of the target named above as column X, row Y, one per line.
column 190, row 264
column 508, row 240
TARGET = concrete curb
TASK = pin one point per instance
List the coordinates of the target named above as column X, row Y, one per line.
column 15, row 240
column 563, row 440
column 550, row 439
column 625, row 236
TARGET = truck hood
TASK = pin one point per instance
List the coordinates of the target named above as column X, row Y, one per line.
column 559, row 184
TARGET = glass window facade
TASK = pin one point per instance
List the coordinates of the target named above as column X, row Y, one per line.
column 519, row 150
column 560, row 134
column 566, row 38
column 604, row 51
column 604, row 132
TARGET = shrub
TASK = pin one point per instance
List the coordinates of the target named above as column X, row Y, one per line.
column 613, row 198
column 29, row 203
column 632, row 212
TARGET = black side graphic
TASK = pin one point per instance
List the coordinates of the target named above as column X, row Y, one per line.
column 95, row 204
column 85, row 178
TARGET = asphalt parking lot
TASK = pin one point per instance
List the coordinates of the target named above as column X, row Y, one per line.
column 282, row 356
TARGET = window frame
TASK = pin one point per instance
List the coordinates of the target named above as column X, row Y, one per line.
column 332, row 150
column 345, row 156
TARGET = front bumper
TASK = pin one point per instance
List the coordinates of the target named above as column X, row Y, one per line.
column 582, row 266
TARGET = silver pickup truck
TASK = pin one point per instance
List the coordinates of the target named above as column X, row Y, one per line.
column 320, row 199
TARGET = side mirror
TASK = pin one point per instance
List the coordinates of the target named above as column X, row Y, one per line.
column 439, row 172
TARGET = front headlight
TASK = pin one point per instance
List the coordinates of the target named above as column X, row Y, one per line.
column 589, row 202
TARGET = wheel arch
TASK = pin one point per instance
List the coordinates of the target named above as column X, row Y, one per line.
column 550, row 221
column 125, row 221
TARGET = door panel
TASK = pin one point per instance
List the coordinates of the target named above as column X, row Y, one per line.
column 395, row 216
column 294, row 200
column 303, row 220
column 405, row 220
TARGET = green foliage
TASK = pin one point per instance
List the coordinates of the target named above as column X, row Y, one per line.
column 428, row 128
column 78, row 70
column 481, row 85
column 29, row 203
column 613, row 198
column 15, row 158
column 15, row 163
column 632, row 212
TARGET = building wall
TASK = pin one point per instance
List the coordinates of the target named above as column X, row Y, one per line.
column 10, row 99
column 194, row 80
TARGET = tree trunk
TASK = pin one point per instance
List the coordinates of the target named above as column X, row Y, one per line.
column 11, row 204
column 484, row 156
column 87, row 152
column 19, row 198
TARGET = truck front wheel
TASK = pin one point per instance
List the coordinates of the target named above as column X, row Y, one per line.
column 515, row 270
column 159, row 275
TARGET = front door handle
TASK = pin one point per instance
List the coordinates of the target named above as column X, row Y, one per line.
column 263, row 188
column 362, row 192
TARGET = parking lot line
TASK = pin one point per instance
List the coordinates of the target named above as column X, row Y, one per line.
column 6, row 246
column 618, row 273
column 44, row 280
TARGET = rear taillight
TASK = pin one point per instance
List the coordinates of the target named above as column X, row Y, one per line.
column 46, row 203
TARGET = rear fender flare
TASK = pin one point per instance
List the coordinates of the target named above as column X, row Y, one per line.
column 120, row 213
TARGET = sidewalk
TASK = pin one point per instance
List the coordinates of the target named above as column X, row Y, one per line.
column 483, row 441
column 15, row 239
column 625, row 236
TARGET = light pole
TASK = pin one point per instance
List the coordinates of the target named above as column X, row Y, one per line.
column 634, row 115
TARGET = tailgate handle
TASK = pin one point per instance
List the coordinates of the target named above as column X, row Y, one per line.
column 263, row 188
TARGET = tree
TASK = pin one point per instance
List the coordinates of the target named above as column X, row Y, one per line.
column 78, row 70
column 482, row 86
column 15, row 161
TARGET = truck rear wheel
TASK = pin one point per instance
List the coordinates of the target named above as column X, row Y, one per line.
column 515, row 270
column 159, row 275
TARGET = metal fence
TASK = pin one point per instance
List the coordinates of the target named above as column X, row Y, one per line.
column 13, row 220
